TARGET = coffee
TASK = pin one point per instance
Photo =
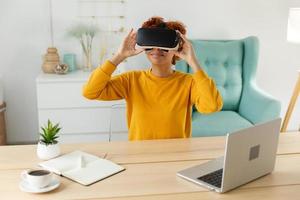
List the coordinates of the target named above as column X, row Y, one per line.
column 39, row 173
column 37, row 178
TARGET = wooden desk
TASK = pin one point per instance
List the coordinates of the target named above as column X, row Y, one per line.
column 151, row 168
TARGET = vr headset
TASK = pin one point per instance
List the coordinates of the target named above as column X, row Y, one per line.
column 162, row 38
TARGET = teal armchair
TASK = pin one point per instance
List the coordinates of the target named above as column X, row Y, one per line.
column 232, row 65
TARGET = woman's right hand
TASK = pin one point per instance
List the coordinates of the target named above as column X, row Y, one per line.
column 127, row 48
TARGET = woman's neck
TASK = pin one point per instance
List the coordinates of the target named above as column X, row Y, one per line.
column 162, row 71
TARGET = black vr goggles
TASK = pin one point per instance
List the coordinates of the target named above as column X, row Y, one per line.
column 162, row 38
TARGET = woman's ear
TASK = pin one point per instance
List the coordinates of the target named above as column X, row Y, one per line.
column 174, row 59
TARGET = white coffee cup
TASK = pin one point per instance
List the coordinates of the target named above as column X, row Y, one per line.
column 38, row 178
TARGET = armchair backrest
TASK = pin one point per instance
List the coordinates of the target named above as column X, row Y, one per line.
column 230, row 63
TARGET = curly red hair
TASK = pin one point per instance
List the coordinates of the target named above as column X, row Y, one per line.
column 156, row 21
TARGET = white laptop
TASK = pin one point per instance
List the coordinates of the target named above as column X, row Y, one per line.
column 250, row 153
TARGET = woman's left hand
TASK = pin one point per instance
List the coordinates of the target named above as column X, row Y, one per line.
column 187, row 52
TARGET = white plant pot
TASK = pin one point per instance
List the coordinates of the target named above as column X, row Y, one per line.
column 46, row 152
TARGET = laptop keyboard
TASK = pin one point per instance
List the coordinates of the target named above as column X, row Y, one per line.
column 214, row 178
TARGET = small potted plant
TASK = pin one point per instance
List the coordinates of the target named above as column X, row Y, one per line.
column 48, row 146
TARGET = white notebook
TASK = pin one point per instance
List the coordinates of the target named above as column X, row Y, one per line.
column 82, row 167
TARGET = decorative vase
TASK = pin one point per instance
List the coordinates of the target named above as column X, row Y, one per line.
column 70, row 60
column 51, row 60
column 87, row 60
column 46, row 152
column 85, row 34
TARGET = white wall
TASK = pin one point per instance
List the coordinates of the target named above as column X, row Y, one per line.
column 25, row 36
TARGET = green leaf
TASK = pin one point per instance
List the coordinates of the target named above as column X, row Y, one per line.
column 55, row 137
column 44, row 130
column 44, row 137
column 55, row 127
column 58, row 130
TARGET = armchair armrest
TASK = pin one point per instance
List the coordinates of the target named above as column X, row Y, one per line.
column 257, row 106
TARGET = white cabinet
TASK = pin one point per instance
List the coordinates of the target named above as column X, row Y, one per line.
column 59, row 98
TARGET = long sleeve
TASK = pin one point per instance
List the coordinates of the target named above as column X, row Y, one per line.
column 102, row 86
column 204, row 94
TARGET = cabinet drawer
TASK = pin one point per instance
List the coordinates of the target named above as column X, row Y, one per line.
column 89, row 120
column 66, row 95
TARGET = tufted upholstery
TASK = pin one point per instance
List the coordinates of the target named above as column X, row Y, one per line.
column 232, row 65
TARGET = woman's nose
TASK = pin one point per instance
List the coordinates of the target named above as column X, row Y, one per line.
column 158, row 50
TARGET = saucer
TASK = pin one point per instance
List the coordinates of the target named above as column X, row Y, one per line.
column 25, row 187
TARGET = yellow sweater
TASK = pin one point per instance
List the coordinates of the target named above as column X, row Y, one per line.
column 157, row 108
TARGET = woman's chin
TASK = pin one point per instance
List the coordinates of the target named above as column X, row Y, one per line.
column 158, row 61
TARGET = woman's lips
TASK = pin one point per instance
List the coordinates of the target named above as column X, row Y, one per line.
column 156, row 55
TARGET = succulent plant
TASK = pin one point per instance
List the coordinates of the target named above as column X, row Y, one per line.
column 49, row 134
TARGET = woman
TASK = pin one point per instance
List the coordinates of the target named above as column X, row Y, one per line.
column 159, row 100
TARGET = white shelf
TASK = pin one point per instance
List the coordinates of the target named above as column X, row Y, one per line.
column 75, row 76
